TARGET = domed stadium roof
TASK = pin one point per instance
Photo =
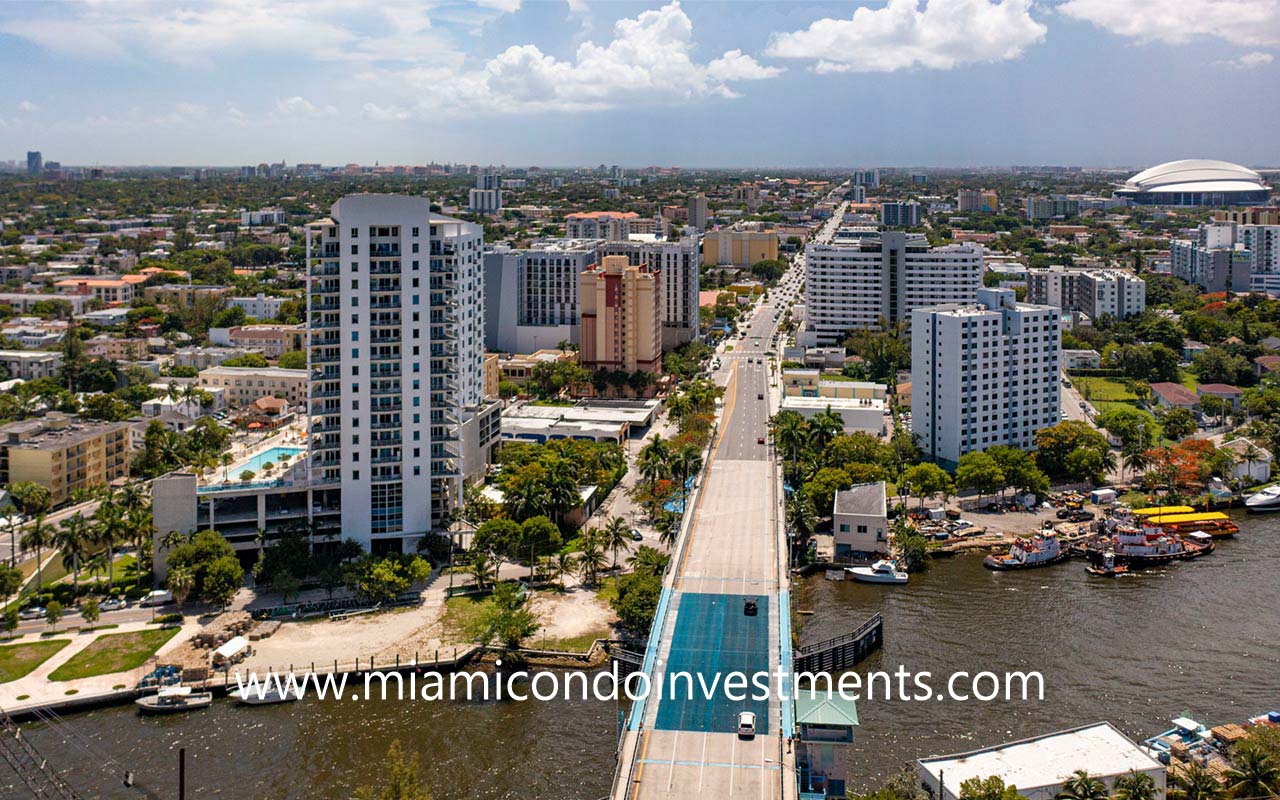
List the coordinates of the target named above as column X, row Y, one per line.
column 1196, row 175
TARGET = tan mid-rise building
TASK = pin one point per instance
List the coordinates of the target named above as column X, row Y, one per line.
column 739, row 248
column 621, row 317
column 63, row 453
column 243, row 385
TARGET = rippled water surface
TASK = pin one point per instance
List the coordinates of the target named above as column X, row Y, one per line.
column 1201, row 637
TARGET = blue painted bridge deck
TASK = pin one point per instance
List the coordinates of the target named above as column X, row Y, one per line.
column 713, row 638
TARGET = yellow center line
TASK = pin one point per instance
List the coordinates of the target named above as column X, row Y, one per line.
column 644, row 751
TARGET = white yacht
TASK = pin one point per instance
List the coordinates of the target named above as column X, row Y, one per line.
column 880, row 572
column 1266, row 500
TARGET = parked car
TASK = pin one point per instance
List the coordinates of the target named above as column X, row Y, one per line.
column 746, row 725
column 33, row 612
column 635, row 535
column 114, row 604
column 759, row 440
column 1081, row 516
column 759, row 395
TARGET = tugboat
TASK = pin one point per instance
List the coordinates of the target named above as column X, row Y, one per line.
column 880, row 572
column 1108, row 568
column 1040, row 550
column 1148, row 547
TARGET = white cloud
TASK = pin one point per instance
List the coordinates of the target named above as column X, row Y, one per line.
column 298, row 106
column 202, row 33
column 648, row 61
column 1247, row 61
column 505, row 6
column 27, row 107
column 379, row 113
column 938, row 34
column 1243, row 22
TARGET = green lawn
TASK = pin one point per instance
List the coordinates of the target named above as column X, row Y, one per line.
column 1097, row 390
column 576, row 644
column 115, row 652
column 17, row 660
column 608, row 590
column 462, row 616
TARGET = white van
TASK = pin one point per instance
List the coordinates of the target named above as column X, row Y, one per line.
column 157, row 598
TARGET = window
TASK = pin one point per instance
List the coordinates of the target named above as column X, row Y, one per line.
column 355, row 233
column 355, row 249
column 355, row 474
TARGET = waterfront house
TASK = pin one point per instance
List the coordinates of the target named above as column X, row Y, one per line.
column 1252, row 461
column 859, row 520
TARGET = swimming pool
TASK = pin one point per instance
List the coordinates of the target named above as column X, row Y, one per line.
column 274, row 456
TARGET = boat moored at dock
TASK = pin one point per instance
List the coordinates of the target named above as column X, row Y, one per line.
column 1214, row 523
column 1146, row 547
column 172, row 699
column 1266, row 500
column 882, row 571
column 1039, row 550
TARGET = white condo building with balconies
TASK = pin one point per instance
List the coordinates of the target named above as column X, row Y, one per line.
column 865, row 275
column 396, row 336
column 983, row 374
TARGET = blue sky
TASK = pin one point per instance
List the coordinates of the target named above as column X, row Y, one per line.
column 550, row 82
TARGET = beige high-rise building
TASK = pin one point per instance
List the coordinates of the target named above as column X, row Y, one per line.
column 621, row 317
column 739, row 248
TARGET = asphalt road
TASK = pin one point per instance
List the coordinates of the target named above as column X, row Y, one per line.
column 731, row 552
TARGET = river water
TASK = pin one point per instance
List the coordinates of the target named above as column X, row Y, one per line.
column 1200, row 637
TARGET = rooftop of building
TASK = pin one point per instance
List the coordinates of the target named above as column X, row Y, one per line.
column 603, row 215
column 862, row 498
column 28, row 355
column 1195, row 175
column 270, row 372
column 1217, row 388
column 55, row 430
column 1045, row 760
column 1174, row 393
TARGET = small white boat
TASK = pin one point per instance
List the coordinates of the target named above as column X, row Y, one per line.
column 273, row 694
column 1266, row 500
column 880, row 572
column 171, row 699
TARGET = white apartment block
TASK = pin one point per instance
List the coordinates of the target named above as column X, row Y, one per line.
column 531, row 296
column 983, row 374
column 864, row 276
column 243, row 385
column 612, row 226
column 263, row 217
column 260, row 307
column 1118, row 294
column 1263, row 244
column 1216, row 260
column 396, row 330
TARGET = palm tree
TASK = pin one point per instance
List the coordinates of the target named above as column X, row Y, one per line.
column 1135, row 458
column 180, row 582
column 37, row 538
column 615, row 536
column 482, row 568
column 561, row 484
column 226, row 460
column 801, row 516
column 1083, row 786
column 112, row 529
column 685, row 462
column 560, row 565
column 1255, row 774
column 1195, row 783
column 668, row 525
column 823, row 427
column 653, row 461
column 790, row 434
column 73, row 539
column 591, row 559
column 1251, row 454
column 1135, row 786
column 647, row 561
column 31, row 499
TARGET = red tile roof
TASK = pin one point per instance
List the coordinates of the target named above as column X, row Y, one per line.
column 1175, row 394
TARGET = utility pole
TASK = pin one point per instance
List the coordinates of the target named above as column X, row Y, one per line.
column 182, row 773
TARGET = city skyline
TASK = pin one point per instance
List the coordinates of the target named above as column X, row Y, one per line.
column 974, row 82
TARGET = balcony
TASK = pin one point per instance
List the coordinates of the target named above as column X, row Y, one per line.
column 387, row 426
column 385, row 304
column 384, row 250
column 327, row 305
column 326, row 322
column 328, row 270
column 385, row 269
column 386, row 339
column 384, row 390
column 384, row 357
column 331, row 357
